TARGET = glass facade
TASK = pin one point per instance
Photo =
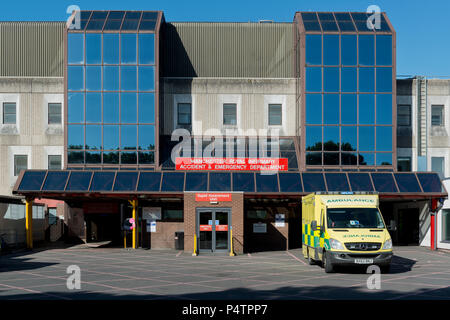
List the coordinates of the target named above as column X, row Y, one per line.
column 348, row 93
column 111, row 94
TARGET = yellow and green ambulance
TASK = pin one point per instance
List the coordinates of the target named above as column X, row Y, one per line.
column 345, row 228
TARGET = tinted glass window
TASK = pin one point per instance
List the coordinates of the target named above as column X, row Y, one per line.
column 75, row 112
column 384, row 50
column 313, row 49
column 349, row 159
column 54, row 113
column 384, row 138
column 125, row 181
column 54, row 162
column 331, row 109
column 111, row 108
column 244, row 182
column 313, row 182
column 290, row 182
column 147, row 48
column 93, row 48
column 384, row 109
column 229, row 114
column 93, row 107
column 128, row 48
column 75, row 48
column 196, row 181
column 384, row 79
column 366, row 159
column 219, row 181
column 384, row 182
column 313, row 158
column 172, row 181
column 313, row 79
column 331, row 79
column 146, row 108
column 384, row 159
column 430, row 182
column 75, row 78
column 79, row 181
column 337, row 182
column 366, row 109
column 146, row 137
column 331, row 49
column 128, row 111
column 149, row 181
column 348, row 138
column 313, row 138
column 349, row 81
column 366, row 79
column 349, row 108
column 313, row 108
column 110, row 48
column 275, row 115
column 93, row 137
column 146, row 78
column 56, row 181
column 128, row 80
column 102, row 181
column 360, row 182
column 266, row 183
column 111, row 137
column 366, row 50
column 331, row 138
column 348, row 50
column 75, row 136
column 366, row 138
column 128, row 136
column 32, row 180
column 93, row 78
column 407, row 182
column 111, row 78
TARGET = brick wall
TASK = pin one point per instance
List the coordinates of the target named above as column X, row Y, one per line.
column 237, row 219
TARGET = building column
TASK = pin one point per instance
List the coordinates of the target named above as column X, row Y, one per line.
column 134, row 204
column 29, row 222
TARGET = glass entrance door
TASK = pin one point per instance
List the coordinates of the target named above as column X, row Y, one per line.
column 213, row 229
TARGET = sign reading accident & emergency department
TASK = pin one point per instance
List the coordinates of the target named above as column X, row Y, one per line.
column 238, row 164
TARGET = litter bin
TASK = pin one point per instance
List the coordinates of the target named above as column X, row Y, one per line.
column 179, row 240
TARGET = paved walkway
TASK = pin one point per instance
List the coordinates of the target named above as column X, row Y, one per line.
column 109, row 273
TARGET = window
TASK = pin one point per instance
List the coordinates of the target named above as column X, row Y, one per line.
column 184, row 113
column 54, row 113
column 446, row 225
column 229, row 114
column 52, row 216
column 9, row 113
column 437, row 115
column 275, row 117
column 404, row 164
column 437, row 165
column 404, row 115
column 172, row 215
column 54, row 162
column 20, row 163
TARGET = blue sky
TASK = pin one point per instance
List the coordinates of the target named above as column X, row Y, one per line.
column 423, row 30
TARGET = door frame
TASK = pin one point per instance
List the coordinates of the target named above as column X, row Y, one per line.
column 213, row 210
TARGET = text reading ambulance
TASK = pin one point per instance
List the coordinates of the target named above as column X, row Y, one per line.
column 345, row 229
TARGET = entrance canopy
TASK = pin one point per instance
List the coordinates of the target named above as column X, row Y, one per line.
column 69, row 184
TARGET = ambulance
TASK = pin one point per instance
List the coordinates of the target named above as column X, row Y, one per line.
column 345, row 229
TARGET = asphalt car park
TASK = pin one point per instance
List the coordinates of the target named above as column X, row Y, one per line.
column 115, row 273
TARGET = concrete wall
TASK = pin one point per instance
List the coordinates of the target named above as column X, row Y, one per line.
column 207, row 96
column 31, row 135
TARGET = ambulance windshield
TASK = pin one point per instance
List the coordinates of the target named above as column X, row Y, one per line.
column 354, row 218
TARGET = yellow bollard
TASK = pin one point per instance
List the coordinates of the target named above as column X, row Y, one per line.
column 29, row 223
column 195, row 246
column 231, row 242
column 125, row 239
column 134, row 204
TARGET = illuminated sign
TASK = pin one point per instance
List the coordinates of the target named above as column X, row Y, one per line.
column 237, row 164
column 213, row 197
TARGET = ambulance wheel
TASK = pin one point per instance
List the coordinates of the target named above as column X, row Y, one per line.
column 326, row 263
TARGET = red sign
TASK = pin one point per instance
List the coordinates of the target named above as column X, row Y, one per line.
column 238, row 164
column 205, row 227
column 222, row 227
column 215, row 197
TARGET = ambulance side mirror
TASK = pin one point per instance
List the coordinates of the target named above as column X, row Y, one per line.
column 314, row 225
